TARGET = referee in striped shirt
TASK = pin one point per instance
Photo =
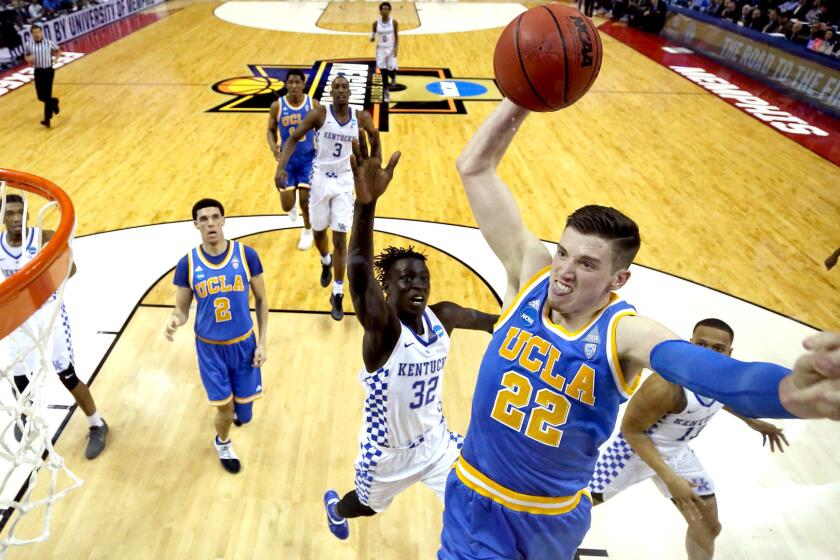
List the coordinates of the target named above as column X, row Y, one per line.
column 41, row 53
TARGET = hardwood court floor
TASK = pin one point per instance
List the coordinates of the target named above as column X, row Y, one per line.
column 721, row 199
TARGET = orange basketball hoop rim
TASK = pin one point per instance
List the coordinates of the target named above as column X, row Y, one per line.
column 22, row 294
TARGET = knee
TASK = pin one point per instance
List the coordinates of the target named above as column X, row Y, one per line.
column 68, row 378
column 244, row 412
column 225, row 412
column 705, row 530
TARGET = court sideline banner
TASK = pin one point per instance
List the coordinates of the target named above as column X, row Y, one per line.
column 75, row 24
column 805, row 77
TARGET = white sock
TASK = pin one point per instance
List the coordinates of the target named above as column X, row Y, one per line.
column 94, row 420
column 326, row 259
column 338, row 287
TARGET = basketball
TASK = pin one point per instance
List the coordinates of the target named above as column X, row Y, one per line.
column 548, row 57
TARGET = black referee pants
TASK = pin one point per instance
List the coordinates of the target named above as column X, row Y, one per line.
column 43, row 87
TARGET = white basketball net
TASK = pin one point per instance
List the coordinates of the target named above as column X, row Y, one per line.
column 26, row 449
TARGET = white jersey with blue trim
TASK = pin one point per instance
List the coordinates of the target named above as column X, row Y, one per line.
column 385, row 36
column 673, row 431
column 403, row 397
column 12, row 259
column 334, row 143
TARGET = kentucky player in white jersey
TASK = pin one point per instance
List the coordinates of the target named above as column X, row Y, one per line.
column 15, row 253
column 404, row 438
column 386, row 32
column 660, row 421
column 331, row 196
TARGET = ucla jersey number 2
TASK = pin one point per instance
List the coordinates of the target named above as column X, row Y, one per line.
column 222, row 307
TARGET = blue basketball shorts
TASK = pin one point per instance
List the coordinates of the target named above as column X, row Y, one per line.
column 227, row 373
column 299, row 171
column 478, row 528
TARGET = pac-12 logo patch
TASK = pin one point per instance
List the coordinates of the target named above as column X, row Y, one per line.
column 589, row 349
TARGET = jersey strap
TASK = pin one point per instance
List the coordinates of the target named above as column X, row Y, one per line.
column 540, row 505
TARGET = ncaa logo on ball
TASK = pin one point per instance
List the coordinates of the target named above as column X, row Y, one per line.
column 585, row 41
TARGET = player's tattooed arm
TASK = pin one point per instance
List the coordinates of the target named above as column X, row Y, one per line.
column 492, row 203
column 261, row 306
column 314, row 119
column 183, row 299
column 380, row 321
column 654, row 399
column 272, row 129
column 453, row 316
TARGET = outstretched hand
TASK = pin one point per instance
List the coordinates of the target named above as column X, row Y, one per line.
column 770, row 433
column 370, row 178
column 813, row 390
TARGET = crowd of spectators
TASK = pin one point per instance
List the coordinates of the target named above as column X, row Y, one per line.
column 810, row 23
column 15, row 15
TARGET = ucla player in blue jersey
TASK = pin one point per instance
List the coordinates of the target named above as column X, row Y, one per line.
column 219, row 273
column 285, row 116
column 404, row 438
column 564, row 354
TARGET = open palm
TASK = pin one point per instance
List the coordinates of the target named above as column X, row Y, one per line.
column 370, row 178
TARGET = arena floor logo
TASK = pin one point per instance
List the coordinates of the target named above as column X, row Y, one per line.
column 419, row 90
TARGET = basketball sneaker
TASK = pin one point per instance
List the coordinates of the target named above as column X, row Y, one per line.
column 230, row 462
column 326, row 274
column 293, row 213
column 337, row 524
column 337, row 312
column 305, row 239
column 96, row 441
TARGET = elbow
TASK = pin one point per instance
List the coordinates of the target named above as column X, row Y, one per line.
column 470, row 164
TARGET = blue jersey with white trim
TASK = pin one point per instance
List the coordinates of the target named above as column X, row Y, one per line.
column 546, row 398
column 289, row 118
column 223, row 312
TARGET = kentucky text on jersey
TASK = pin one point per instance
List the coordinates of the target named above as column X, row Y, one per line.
column 425, row 368
column 339, row 137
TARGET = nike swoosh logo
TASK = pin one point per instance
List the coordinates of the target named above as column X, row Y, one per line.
column 407, row 344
